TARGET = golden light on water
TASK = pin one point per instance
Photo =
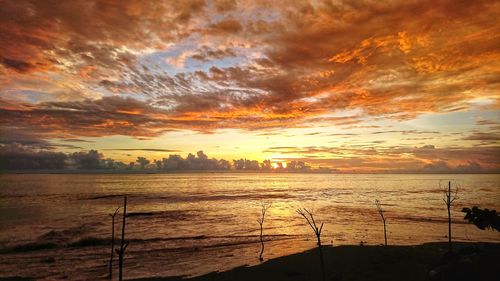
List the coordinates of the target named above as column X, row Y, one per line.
column 200, row 113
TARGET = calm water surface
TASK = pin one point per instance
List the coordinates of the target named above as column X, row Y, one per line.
column 197, row 223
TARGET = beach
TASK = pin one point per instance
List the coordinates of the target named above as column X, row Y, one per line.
column 473, row 261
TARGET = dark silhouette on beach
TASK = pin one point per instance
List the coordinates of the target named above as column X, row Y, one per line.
column 381, row 212
column 483, row 219
column 264, row 209
column 317, row 231
column 123, row 243
column 448, row 199
column 112, row 243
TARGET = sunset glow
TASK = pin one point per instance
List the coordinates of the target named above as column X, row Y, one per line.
column 355, row 86
column 271, row 140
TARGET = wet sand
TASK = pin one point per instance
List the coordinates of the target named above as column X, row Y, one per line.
column 472, row 261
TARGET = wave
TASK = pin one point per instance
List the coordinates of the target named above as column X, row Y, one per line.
column 28, row 247
column 433, row 220
column 102, row 197
column 66, row 235
column 196, row 197
column 96, row 241
column 139, row 214
column 175, row 215
column 251, row 239
column 37, row 246
column 90, row 241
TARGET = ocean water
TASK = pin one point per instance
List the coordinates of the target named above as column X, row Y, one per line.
column 57, row 226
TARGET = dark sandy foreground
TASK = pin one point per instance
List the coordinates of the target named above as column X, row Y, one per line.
column 472, row 261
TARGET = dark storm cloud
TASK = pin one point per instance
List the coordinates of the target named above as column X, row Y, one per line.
column 17, row 156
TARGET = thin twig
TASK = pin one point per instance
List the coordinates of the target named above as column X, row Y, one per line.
column 317, row 231
column 264, row 208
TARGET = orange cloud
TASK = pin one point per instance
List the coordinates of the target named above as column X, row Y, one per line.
column 292, row 63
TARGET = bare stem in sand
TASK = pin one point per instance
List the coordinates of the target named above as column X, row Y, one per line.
column 264, row 209
column 317, row 231
column 381, row 212
column 123, row 243
column 112, row 243
column 448, row 199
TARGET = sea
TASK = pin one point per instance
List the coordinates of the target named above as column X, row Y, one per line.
column 58, row 226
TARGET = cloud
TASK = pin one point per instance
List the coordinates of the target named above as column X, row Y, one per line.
column 225, row 26
column 142, row 149
column 480, row 136
column 14, row 135
column 406, row 132
column 90, row 160
column 18, row 65
column 92, row 118
column 225, row 5
column 36, row 31
column 374, row 158
column 90, row 68
column 77, row 140
column 486, row 122
column 17, row 156
column 443, row 167
column 200, row 161
column 319, row 57
column 123, row 116
column 207, row 54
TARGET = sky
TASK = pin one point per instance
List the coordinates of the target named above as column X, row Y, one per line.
column 357, row 86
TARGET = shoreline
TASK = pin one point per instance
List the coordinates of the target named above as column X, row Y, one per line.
column 160, row 172
column 427, row 261
column 472, row 261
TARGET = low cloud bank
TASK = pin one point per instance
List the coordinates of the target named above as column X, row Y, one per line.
column 19, row 157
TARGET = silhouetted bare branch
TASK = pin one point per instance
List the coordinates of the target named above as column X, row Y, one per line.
column 381, row 212
column 264, row 208
column 448, row 199
column 317, row 231
column 112, row 243
column 123, row 244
